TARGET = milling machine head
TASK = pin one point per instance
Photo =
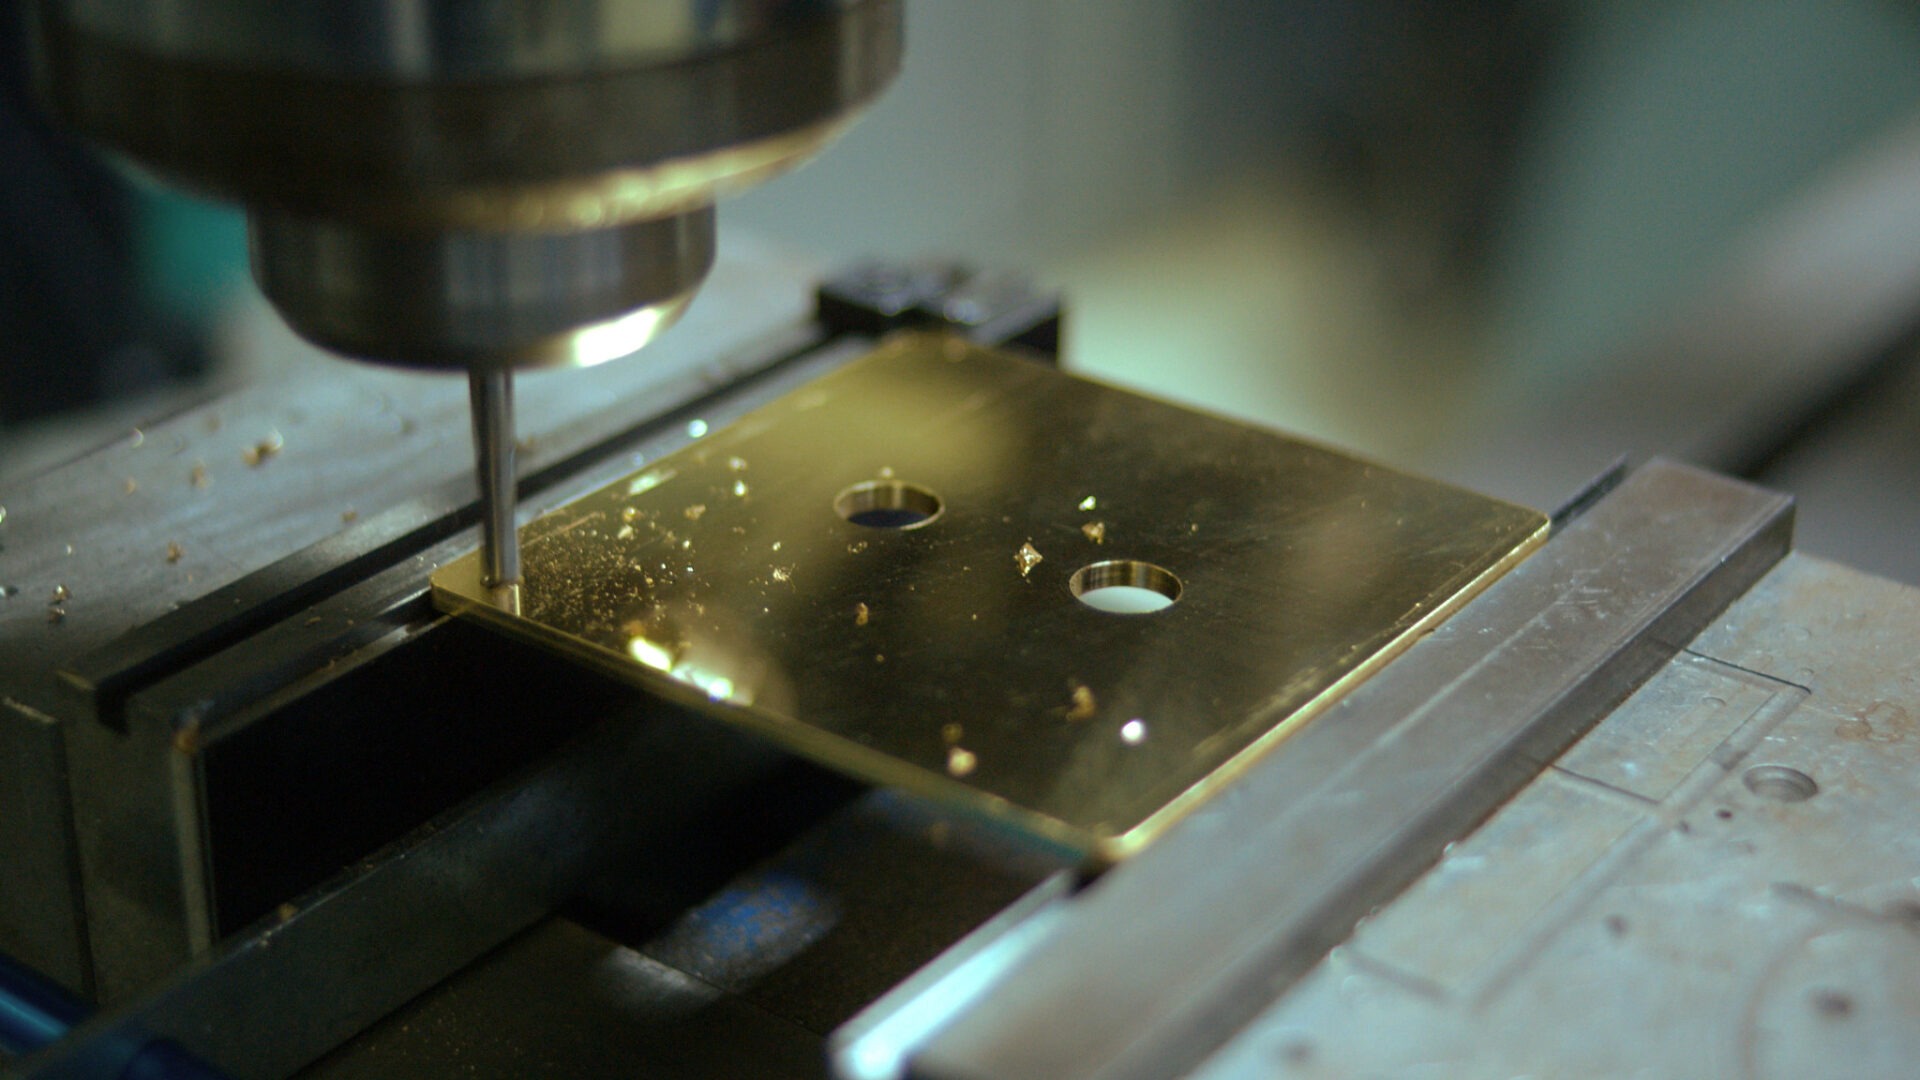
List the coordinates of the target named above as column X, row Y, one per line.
column 445, row 183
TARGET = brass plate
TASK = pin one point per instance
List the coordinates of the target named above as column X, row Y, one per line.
column 944, row 658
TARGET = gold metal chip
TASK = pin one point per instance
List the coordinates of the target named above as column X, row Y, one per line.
column 1247, row 579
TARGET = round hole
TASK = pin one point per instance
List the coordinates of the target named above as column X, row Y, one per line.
column 1779, row 783
column 1125, row 587
column 888, row 504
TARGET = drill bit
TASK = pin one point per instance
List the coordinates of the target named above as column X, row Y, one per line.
column 492, row 399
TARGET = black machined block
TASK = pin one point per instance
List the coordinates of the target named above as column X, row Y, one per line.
column 303, row 791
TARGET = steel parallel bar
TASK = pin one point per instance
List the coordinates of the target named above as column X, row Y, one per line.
column 1160, row 961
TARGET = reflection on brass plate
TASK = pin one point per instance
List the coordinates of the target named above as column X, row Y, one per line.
column 965, row 574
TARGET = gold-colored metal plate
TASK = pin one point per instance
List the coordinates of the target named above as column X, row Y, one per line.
column 953, row 658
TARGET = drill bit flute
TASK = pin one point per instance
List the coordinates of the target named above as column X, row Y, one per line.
column 493, row 448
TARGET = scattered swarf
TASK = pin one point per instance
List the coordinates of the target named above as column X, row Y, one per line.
column 259, row 452
column 1027, row 558
column 961, row 761
column 1084, row 706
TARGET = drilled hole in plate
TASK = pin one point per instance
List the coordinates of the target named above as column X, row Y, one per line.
column 1780, row 783
column 888, row 504
column 1125, row 587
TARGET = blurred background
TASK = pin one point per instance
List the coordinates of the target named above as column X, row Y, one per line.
column 1503, row 242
